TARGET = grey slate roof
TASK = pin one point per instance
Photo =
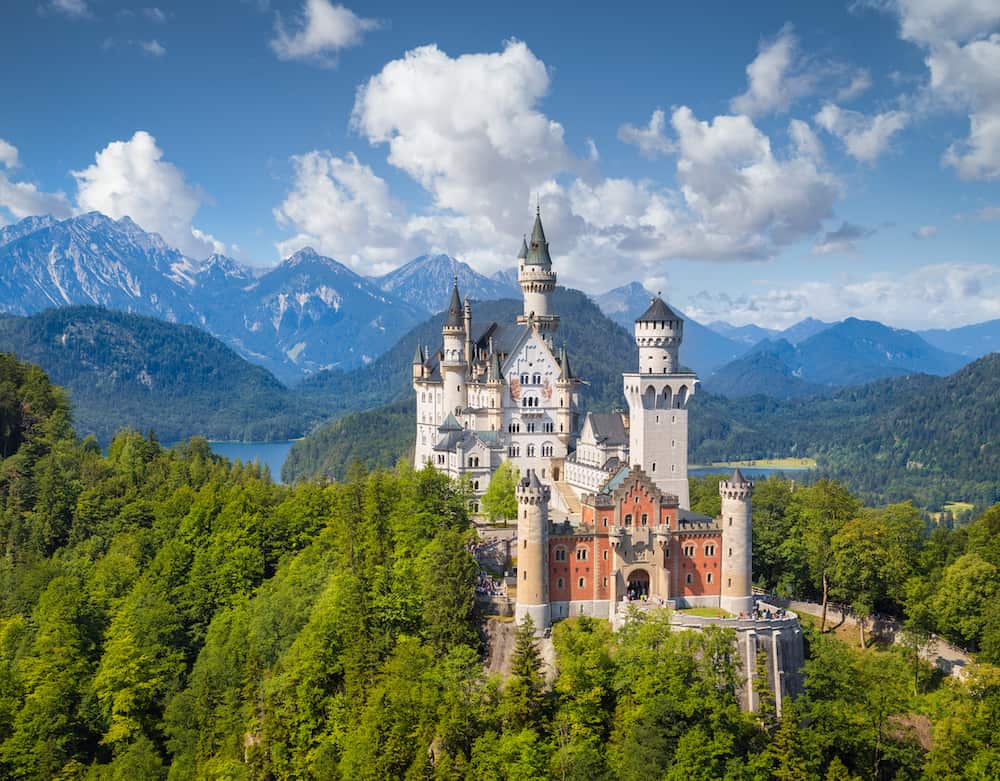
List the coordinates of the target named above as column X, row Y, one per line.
column 737, row 476
column 450, row 424
column 524, row 248
column 609, row 428
column 658, row 312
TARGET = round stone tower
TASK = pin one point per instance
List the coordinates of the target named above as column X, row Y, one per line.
column 537, row 280
column 659, row 333
column 737, row 545
column 453, row 364
column 533, row 551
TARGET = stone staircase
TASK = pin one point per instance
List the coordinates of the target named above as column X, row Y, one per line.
column 568, row 498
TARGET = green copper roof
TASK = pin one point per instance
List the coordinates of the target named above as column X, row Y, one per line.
column 524, row 249
column 450, row 424
column 418, row 355
column 455, row 311
column 538, row 252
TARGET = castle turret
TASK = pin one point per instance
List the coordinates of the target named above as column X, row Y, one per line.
column 453, row 364
column 568, row 390
column 737, row 545
column 418, row 363
column 494, row 391
column 537, row 279
column 657, row 395
column 533, row 551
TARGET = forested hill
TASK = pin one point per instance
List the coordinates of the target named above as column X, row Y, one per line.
column 166, row 615
column 600, row 350
column 931, row 439
column 124, row 370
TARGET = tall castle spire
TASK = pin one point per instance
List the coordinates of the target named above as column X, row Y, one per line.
column 537, row 279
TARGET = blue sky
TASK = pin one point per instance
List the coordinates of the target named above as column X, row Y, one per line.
column 759, row 162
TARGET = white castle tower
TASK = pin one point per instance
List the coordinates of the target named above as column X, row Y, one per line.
column 454, row 363
column 537, row 279
column 737, row 544
column 533, row 551
column 657, row 396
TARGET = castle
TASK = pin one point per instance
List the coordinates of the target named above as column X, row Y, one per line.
column 496, row 392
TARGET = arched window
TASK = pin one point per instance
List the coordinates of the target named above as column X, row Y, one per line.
column 708, row 577
column 628, row 519
column 709, row 550
column 581, row 554
column 547, row 450
column 560, row 554
column 536, row 379
column 531, row 451
column 581, row 583
column 560, row 583
column 644, row 520
column 688, row 579
column 689, row 550
column 514, row 451
column 524, row 379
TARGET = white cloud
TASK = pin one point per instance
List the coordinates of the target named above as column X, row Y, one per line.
column 130, row 178
column 467, row 128
column 8, row 154
column 944, row 295
column 471, row 132
column 320, row 33
column 986, row 214
column 342, row 209
column 843, row 240
column 865, row 137
column 651, row 140
column 963, row 58
column 859, row 83
column 155, row 15
column 926, row 232
column 153, row 48
column 775, row 78
column 74, row 9
column 935, row 21
column 24, row 199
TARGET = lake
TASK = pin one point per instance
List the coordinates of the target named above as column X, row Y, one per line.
column 271, row 453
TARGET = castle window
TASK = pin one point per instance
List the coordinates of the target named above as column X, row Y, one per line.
column 548, row 428
column 475, row 485
column 688, row 579
column 581, row 582
column 730, row 551
column 581, row 554
column 709, row 550
column 666, row 553
column 473, row 461
column 708, row 577
column 689, row 550
column 673, row 467
column 525, row 542
column 605, row 555
column 440, row 458
column 729, row 582
column 654, row 466
column 644, row 520
column 526, row 575
column 628, row 519
column 530, row 428
column 514, row 451
column 531, row 451
column 513, row 428
column 560, row 583
column 605, row 583
column 560, row 554
column 475, row 507
column 730, row 520
column 524, row 379
column 605, row 521
column 536, row 379
column 547, row 450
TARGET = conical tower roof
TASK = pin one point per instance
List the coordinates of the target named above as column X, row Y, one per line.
column 455, row 310
column 523, row 254
column 737, row 476
column 657, row 312
column 450, row 424
column 538, row 250
column 418, row 355
column 565, row 371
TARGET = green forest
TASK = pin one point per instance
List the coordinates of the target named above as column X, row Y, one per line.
column 165, row 614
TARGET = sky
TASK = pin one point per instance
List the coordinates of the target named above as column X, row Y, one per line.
column 755, row 162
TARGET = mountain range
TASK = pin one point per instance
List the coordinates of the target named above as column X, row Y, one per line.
column 852, row 352
column 306, row 314
column 425, row 282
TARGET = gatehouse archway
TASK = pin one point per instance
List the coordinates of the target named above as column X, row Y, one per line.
column 637, row 587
